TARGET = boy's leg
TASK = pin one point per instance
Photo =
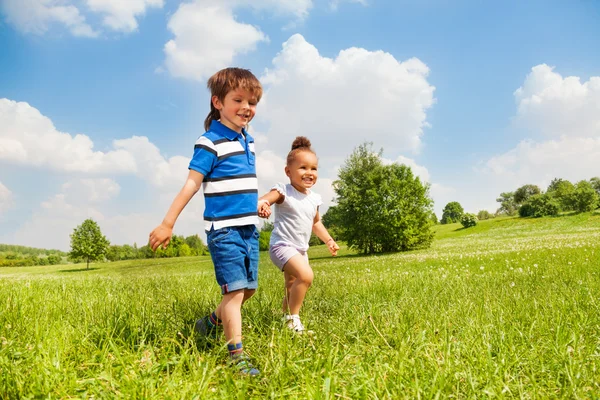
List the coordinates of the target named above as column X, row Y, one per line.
column 230, row 312
column 299, row 276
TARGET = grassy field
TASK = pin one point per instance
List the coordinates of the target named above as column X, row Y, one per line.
column 507, row 309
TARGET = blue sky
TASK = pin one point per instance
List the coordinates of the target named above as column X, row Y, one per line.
column 102, row 101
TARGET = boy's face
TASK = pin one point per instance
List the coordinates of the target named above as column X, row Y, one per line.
column 237, row 109
column 303, row 171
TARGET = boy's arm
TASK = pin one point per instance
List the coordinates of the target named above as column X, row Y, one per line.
column 322, row 233
column 162, row 233
column 265, row 201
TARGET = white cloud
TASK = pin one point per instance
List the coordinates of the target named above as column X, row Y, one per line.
column 29, row 138
column 120, row 15
column 151, row 165
column 555, row 106
column 538, row 163
column 91, row 190
column 339, row 103
column 6, row 199
column 563, row 109
column 36, row 16
column 207, row 38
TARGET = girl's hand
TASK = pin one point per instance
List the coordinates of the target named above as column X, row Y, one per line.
column 160, row 235
column 333, row 247
column 264, row 208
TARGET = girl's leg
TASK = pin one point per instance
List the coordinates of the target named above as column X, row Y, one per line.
column 298, row 277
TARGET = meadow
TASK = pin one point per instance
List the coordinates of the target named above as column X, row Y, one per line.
column 506, row 309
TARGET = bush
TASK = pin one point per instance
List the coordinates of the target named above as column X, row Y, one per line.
column 484, row 214
column 539, row 205
column 584, row 197
column 468, row 220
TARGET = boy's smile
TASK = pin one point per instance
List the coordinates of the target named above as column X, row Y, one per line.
column 237, row 109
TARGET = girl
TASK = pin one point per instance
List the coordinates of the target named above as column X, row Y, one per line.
column 296, row 216
column 224, row 165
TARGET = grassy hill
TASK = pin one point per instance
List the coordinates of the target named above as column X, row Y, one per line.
column 505, row 309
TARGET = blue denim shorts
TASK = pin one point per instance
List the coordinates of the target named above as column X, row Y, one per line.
column 234, row 252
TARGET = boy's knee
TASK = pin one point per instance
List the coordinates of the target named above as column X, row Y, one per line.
column 307, row 277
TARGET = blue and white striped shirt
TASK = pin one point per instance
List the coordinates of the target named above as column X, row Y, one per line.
column 227, row 161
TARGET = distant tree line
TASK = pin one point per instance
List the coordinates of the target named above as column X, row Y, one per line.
column 560, row 196
column 23, row 256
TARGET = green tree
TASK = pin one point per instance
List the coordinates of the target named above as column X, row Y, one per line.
column 525, row 192
column 562, row 191
column 88, row 243
column 539, row 205
column 452, row 212
column 585, row 197
column 196, row 245
column 484, row 214
column 381, row 208
column 507, row 204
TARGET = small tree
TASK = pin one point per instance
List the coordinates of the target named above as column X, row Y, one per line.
column 539, row 205
column 452, row 212
column 585, row 197
column 88, row 243
column 381, row 208
column 525, row 192
column 595, row 181
column 507, row 204
column 483, row 214
column 562, row 190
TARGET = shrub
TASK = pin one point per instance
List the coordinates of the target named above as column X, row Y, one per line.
column 484, row 214
column 539, row 205
column 468, row 220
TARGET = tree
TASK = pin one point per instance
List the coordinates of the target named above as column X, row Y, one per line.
column 525, row 192
column 507, row 204
column 585, row 197
column 562, row 191
column 88, row 243
column 539, row 205
column 452, row 212
column 484, row 214
column 381, row 208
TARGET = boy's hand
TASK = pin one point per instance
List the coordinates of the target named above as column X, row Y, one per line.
column 332, row 247
column 160, row 235
column 264, row 209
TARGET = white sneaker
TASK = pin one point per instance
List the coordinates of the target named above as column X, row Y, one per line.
column 293, row 323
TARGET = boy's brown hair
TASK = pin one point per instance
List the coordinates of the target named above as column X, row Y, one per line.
column 225, row 81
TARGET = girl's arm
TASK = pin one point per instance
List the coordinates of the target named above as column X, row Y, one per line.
column 162, row 233
column 265, row 201
column 322, row 233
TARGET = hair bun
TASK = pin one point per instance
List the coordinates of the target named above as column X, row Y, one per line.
column 300, row 142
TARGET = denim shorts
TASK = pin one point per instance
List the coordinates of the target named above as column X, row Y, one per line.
column 281, row 254
column 234, row 252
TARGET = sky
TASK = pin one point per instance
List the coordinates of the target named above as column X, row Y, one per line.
column 101, row 101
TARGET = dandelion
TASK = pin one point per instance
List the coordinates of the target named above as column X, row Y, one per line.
column 512, row 284
column 481, row 268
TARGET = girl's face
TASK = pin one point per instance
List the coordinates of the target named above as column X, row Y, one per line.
column 237, row 109
column 303, row 171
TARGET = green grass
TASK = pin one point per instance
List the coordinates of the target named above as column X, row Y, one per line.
column 506, row 309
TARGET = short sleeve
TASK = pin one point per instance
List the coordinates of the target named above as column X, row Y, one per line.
column 205, row 156
column 280, row 187
column 317, row 198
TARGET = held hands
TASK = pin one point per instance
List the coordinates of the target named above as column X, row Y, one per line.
column 160, row 235
column 332, row 247
column 264, row 208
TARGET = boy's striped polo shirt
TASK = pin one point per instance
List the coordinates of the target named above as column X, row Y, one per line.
column 227, row 161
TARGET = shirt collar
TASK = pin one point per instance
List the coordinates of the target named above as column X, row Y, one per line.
column 218, row 127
